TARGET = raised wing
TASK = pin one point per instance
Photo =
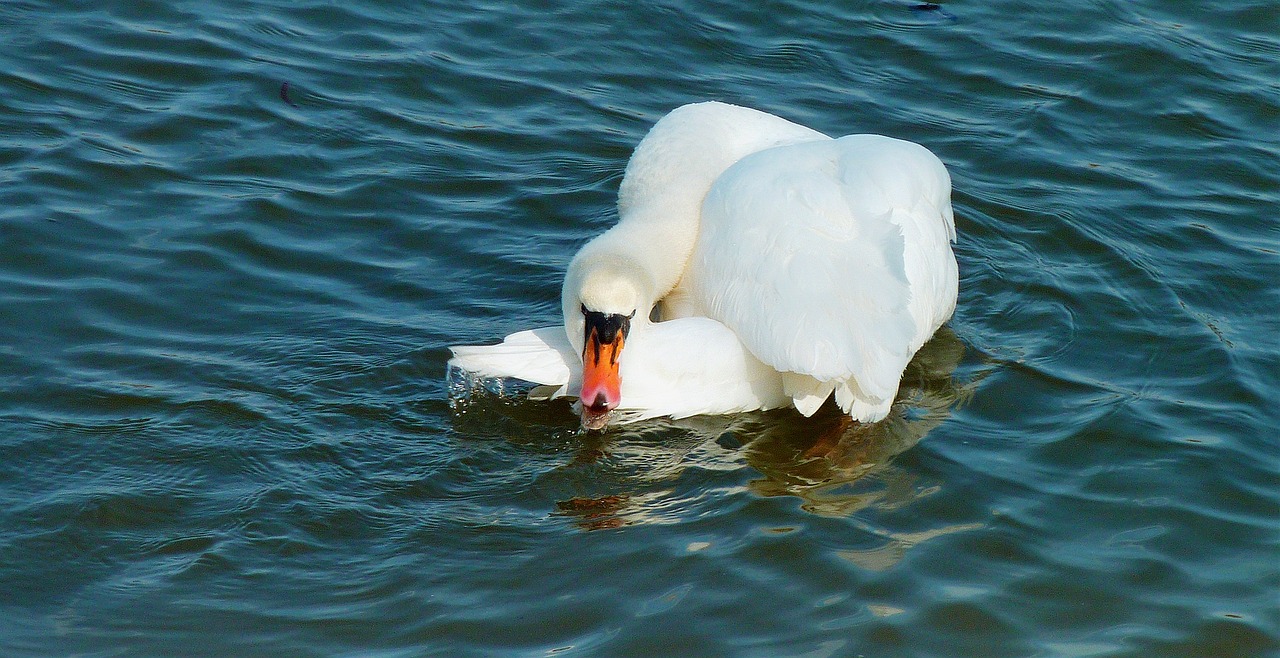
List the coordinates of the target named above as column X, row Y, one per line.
column 801, row 253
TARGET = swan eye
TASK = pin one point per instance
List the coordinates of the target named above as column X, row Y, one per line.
column 584, row 309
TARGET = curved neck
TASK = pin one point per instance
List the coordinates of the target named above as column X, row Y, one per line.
column 660, row 202
column 673, row 168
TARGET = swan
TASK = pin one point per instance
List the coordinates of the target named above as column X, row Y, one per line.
column 755, row 264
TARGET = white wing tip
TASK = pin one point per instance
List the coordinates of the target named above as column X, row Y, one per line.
column 540, row 356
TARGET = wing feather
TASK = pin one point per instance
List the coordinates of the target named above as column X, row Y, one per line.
column 542, row 356
column 801, row 252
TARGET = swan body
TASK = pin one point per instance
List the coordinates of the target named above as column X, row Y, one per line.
column 756, row 264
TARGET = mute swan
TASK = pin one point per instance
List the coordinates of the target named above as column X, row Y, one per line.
column 755, row 264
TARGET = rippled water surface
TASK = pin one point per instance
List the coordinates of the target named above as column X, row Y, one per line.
column 225, row 306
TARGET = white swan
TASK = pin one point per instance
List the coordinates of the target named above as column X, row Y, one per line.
column 756, row 263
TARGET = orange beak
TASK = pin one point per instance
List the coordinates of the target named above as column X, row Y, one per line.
column 601, row 383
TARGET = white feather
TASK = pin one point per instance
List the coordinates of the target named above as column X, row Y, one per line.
column 803, row 251
column 541, row 356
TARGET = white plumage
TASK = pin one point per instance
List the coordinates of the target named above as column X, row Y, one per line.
column 785, row 266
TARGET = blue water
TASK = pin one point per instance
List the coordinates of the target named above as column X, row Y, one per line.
column 225, row 306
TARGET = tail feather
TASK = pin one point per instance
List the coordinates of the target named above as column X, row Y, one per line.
column 806, row 393
column 541, row 356
column 859, row 406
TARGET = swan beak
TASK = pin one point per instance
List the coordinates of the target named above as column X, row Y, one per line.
column 601, row 383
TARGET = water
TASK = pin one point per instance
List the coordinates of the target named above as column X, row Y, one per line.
column 224, row 418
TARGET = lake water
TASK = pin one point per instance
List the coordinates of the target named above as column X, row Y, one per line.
column 225, row 307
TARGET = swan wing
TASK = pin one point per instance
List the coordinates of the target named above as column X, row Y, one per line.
column 802, row 253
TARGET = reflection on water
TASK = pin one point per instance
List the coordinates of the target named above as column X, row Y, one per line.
column 820, row 459
column 824, row 460
column 599, row 513
column 880, row 558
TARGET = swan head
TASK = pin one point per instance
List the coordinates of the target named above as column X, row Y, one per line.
column 605, row 334
column 602, row 298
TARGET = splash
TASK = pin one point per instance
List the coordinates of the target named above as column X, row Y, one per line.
column 465, row 387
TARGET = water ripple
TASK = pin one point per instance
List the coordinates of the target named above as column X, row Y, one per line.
column 226, row 316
